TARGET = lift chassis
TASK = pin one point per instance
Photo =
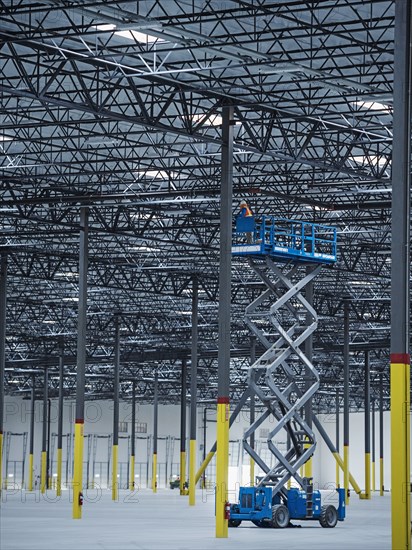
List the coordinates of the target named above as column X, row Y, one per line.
column 284, row 379
column 265, row 509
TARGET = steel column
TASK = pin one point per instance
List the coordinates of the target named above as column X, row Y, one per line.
column 183, row 429
column 115, row 448
column 400, row 280
column 81, row 366
column 346, row 305
column 60, row 425
column 373, row 445
column 288, row 446
column 3, row 303
column 308, row 467
column 133, row 438
column 48, row 455
column 31, row 443
column 193, row 394
column 204, row 444
column 381, row 472
column 155, row 422
column 225, row 263
column 252, row 413
column 367, row 494
column 337, row 417
column 43, row 471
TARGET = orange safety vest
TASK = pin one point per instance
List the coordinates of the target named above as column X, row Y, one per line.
column 248, row 212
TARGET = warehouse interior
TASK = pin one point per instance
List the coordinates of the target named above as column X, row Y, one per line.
column 156, row 355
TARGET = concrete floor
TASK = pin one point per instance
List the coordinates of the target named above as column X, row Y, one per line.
column 164, row 520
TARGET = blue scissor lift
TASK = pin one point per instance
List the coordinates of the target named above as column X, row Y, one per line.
column 282, row 320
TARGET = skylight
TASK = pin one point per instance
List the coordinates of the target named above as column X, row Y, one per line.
column 158, row 174
column 130, row 34
column 372, row 105
column 373, row 159
column 139, row 36
column 105, row 27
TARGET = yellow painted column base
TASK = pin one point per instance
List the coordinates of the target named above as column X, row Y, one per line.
column 59, row 472
column 307, row 469
column 337, row 473
column 78, row 469
column 346, row 472
column 308, row 466
column 1, row 461
column 182, row 472
column 367, row 494
column 115, row 483
column 30, row 484
column 373, row 477
column 43, row 472
column 222, row 466
column 192, row 472
column 252, row 472
column 154, row 473
column 131, row 477
column 400, row 452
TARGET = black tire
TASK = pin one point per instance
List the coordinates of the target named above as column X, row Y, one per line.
column 234, row 522
column 328, row 517
column 280, row 516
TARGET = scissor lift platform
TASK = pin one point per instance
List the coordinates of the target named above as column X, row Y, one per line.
column 283, row 379
column 285, row 240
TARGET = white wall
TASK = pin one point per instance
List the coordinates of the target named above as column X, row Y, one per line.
column 324, row 463
column 99, row 419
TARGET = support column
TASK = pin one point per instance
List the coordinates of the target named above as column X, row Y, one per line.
column 337, row 417
column 48, row 454
column 115, row 448
column 204, row 445
column 31, row 443
column 133, row 442
column 367, row 494
column 252, row 412
column 3, row 297
column 81, row 366
column 288, row 445
column 60, row 425
column 43, row 469
column 155, row 421
column 225, row 263
column 193, row 394
column 400, row 280
column 183, row 429
column 308, row 467
column 373, row 489
column 346, row 305
column 381, row 471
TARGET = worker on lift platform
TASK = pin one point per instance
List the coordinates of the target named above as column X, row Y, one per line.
column 245, row 221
